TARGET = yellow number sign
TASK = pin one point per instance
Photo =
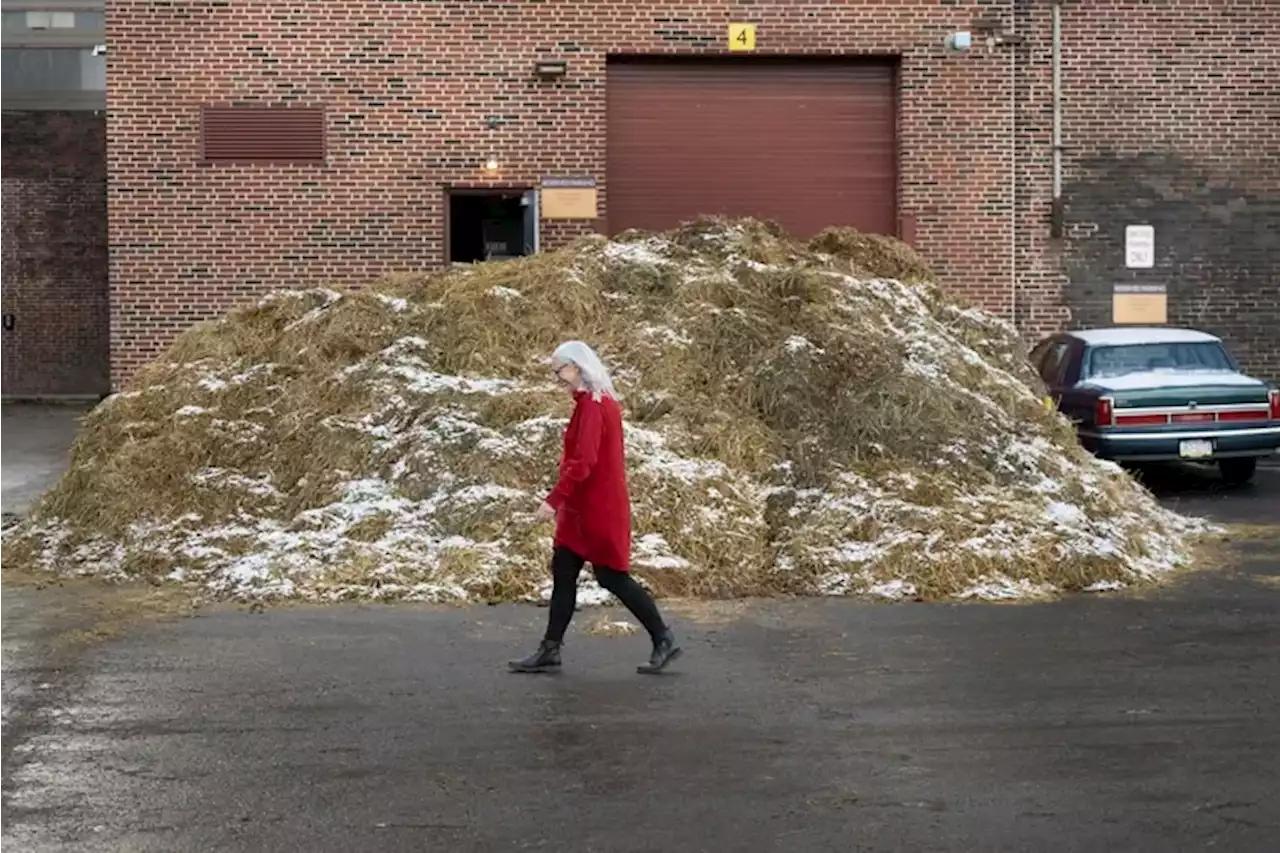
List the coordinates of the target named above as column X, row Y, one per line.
column 742, row 37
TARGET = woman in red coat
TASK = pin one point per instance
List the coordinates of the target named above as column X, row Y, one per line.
column 592, row 512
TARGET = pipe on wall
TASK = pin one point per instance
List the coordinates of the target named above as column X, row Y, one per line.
column 1056, row 220
column 1013, row 167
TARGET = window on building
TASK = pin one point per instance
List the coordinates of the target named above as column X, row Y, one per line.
column 54, row 55
column 52, row 23
column 262, row 134
column 54, row 69
column 54, row 78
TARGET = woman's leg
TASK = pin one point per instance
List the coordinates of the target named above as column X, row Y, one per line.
column 634, row 597
column 565, row 567
column 641, row 603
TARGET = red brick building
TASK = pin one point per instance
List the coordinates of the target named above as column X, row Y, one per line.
column 54, row 197
column 258, row 145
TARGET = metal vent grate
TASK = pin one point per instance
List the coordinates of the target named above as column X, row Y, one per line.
column 262, row 135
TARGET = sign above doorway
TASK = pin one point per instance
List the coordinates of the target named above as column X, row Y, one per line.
column 569, row 198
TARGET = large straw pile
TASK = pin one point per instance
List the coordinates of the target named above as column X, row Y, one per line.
column 812, row 419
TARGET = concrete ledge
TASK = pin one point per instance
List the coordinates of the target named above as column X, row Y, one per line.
column 53, row 399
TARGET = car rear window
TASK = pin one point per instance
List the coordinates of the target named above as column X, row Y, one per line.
column 1136, row 358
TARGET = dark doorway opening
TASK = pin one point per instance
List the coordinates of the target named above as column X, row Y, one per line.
column 487, row 225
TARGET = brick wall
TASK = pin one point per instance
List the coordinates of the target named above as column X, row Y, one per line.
column 1174, row 121
column 408, row 87
column 54, row 252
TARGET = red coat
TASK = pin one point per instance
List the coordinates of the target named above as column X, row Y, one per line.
column 593, row 510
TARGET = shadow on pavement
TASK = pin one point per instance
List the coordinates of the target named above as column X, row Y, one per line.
column 1199, row 490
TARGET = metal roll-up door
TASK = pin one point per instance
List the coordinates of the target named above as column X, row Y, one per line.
column 806, row 143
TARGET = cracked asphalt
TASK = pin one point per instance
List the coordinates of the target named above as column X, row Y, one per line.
column 1145, row 722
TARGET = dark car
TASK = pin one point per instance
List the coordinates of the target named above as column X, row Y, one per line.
column 1157, row 394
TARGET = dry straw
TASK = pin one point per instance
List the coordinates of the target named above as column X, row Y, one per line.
column 803, row 418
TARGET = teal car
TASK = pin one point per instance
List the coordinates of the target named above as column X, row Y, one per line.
column 1161, row 394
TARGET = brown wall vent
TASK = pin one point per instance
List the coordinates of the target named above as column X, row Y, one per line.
column 262, row 135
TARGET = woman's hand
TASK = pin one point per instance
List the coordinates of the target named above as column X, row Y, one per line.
column 545, row 513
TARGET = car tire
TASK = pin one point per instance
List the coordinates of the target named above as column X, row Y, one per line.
column 1237, row 472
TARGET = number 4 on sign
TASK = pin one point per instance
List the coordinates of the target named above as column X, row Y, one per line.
column 742, row 37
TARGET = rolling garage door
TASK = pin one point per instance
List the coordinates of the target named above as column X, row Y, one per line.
column 806, row 143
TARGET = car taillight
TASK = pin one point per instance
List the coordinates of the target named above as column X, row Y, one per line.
column 1103, row 412
column 1273, row 399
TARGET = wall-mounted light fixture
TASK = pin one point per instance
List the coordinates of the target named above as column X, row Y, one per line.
column 958, row 42
column 550, row 69
column 492, row 164
column 993, row 33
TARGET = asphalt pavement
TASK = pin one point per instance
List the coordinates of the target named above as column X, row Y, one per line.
column 37, row 442
column 1138, row 722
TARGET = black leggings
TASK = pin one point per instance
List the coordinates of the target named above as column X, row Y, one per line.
column 565, row 567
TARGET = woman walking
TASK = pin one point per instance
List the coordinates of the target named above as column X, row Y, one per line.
column 592, row 512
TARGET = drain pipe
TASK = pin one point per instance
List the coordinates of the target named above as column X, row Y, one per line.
column 1056, row 214
column 1013, row 169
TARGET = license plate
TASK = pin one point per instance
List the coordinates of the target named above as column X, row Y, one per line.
column 1195, row 448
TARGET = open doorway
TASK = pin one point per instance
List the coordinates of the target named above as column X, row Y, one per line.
column 492, row 225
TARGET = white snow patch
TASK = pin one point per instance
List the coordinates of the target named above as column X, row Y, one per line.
column 651, row 551
column 400, row 361
column 1001, row 588
column 799, row 343
column 590, row 593
column 221, row 478
column 1132, row 335
column 1065, row 513
column 395, row 303
column 667, row 335
column 893, row 589
column 1142, row 380
column 217, row 384
column 329, row 297
column 648, row 251
column 650, row 448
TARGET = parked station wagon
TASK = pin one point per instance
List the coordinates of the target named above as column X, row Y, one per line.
column 1156, row 394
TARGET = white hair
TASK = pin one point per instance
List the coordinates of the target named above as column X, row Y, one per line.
column 595, row 376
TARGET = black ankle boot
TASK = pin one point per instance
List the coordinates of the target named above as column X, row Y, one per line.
column 545, row 659
column 664, row 652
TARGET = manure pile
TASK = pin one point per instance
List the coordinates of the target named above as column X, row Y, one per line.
column 813, row 419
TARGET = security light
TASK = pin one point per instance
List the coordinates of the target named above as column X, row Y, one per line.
column 549, row 69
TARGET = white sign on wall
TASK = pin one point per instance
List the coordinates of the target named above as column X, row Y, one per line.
column 1139, row 247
